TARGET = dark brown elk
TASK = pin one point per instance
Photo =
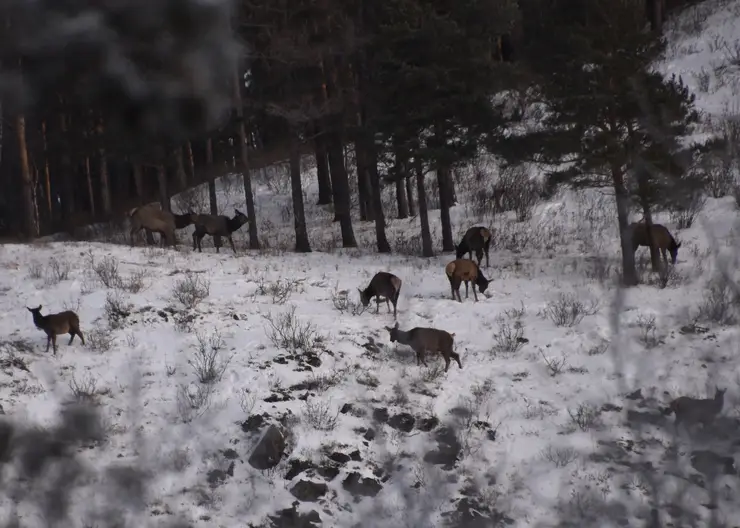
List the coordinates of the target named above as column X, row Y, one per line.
column 464, row 270
column 57, row 324
column 216, row 225
column 423, row 340
column 696, row 410
column 662, row 239
column 476, row 239
column 383, row 284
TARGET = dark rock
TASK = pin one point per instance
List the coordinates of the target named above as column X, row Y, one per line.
column 339, row 458
column 402, row 422
column 448, row 449
column 308, row 491
column 369, row 434
column 296, row 467
column 290, row 518
column 230, row 469
column 355, row 455
column 427, row 424
column 609, row 407
column 637, row 395
column 491, row 435
column 359, row 486
column 230, row 454
column 328, row 471
column 269, row 450
column 380, row 415
column 473, row 513
column 282, row 360
column 253, row 423
column 216, row 477
column 274, row 397
column 312, row 359
column 346, row 408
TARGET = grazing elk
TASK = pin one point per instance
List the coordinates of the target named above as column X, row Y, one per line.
column 216, row 225
column 662, row 239
column 697, row 410
column 423, row 340
column 57, row 324
column 383, row 284
column 154, row 219
column 464, row 270
column 476, row 239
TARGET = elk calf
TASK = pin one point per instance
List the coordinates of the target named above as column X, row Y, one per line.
column 697, row 410
column 464, row 270
column 423, row 340
column 476, row 239
column 216, row 225
column 383, row 284
column 57, row 324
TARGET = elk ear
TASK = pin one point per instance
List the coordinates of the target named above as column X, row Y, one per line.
column 678, row 245
column 389, row 328
column 29, row 309
column 396, row 327
column 39, row 308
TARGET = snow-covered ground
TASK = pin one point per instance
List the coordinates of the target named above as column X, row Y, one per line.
column 555, row 418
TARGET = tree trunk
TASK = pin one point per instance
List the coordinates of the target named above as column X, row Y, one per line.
column 47, row 175
column 363, row 185
column 180, row 174
column 90, row 189
column 340, row 184
column 68, row 201
column 164, row 197
column 105, row 183
column 31, row 226
column 629, row 273
column 212, row 196
column 426, row 235
column 302, row 244
column 399, row 171
column 190, row 165
column 409, row 194
column 139, row 182
column 443, row 178
column 244, row 158
column 377, row 201
column 322, row 169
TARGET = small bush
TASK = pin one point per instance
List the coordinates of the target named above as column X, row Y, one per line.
column 718, row 305
column 191, row 290
column 568, row 310
column 57, row 271
column 207, row 362
column 560, row 456
column 135, row 282
column 99, row 339
column 648, row 331
column 554, row 366
column 35, row 270
column 585, row 417
column 510, row 338
column 319, row 415
column 193, row 400
column 117, row 309
column 685, row 213
column 279, row 290
column 342, row 302
column 107, row 271
column 84, row 391
column 287, row 332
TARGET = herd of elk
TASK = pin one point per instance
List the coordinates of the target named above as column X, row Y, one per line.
column 384, row 285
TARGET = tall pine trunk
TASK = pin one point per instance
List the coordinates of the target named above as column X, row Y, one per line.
column 302, row 244
column 30, row 221
column 164, row 197
column 212, row 196
column 363, row 184
column 190, row 165
column 47, row 175
column 409, row 194
column 643, row 188
column 90, row 189
column 445, row 193
column 105, row 183
column 629, row 273
column 377, row 199
column 180, row 174
column 322, row 168
column 254, row 242
column 340, row 184
column 426, row 235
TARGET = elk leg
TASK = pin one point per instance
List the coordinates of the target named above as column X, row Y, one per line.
column 488, row 264
column 420, row 356
column 447, row 362
column 48, row 342
column 475, row 295
column 466, row 289
column 456, row 357
column 71, row 333
column 377, row 304
column 231, row 241
column 82, row 337
column 195, row 238
column 452, row 289
column 54, row 343
column 388, row 304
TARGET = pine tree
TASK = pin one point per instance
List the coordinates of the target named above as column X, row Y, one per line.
column 610, row 118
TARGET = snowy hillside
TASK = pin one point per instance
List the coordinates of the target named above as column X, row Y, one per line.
column 253, row 390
